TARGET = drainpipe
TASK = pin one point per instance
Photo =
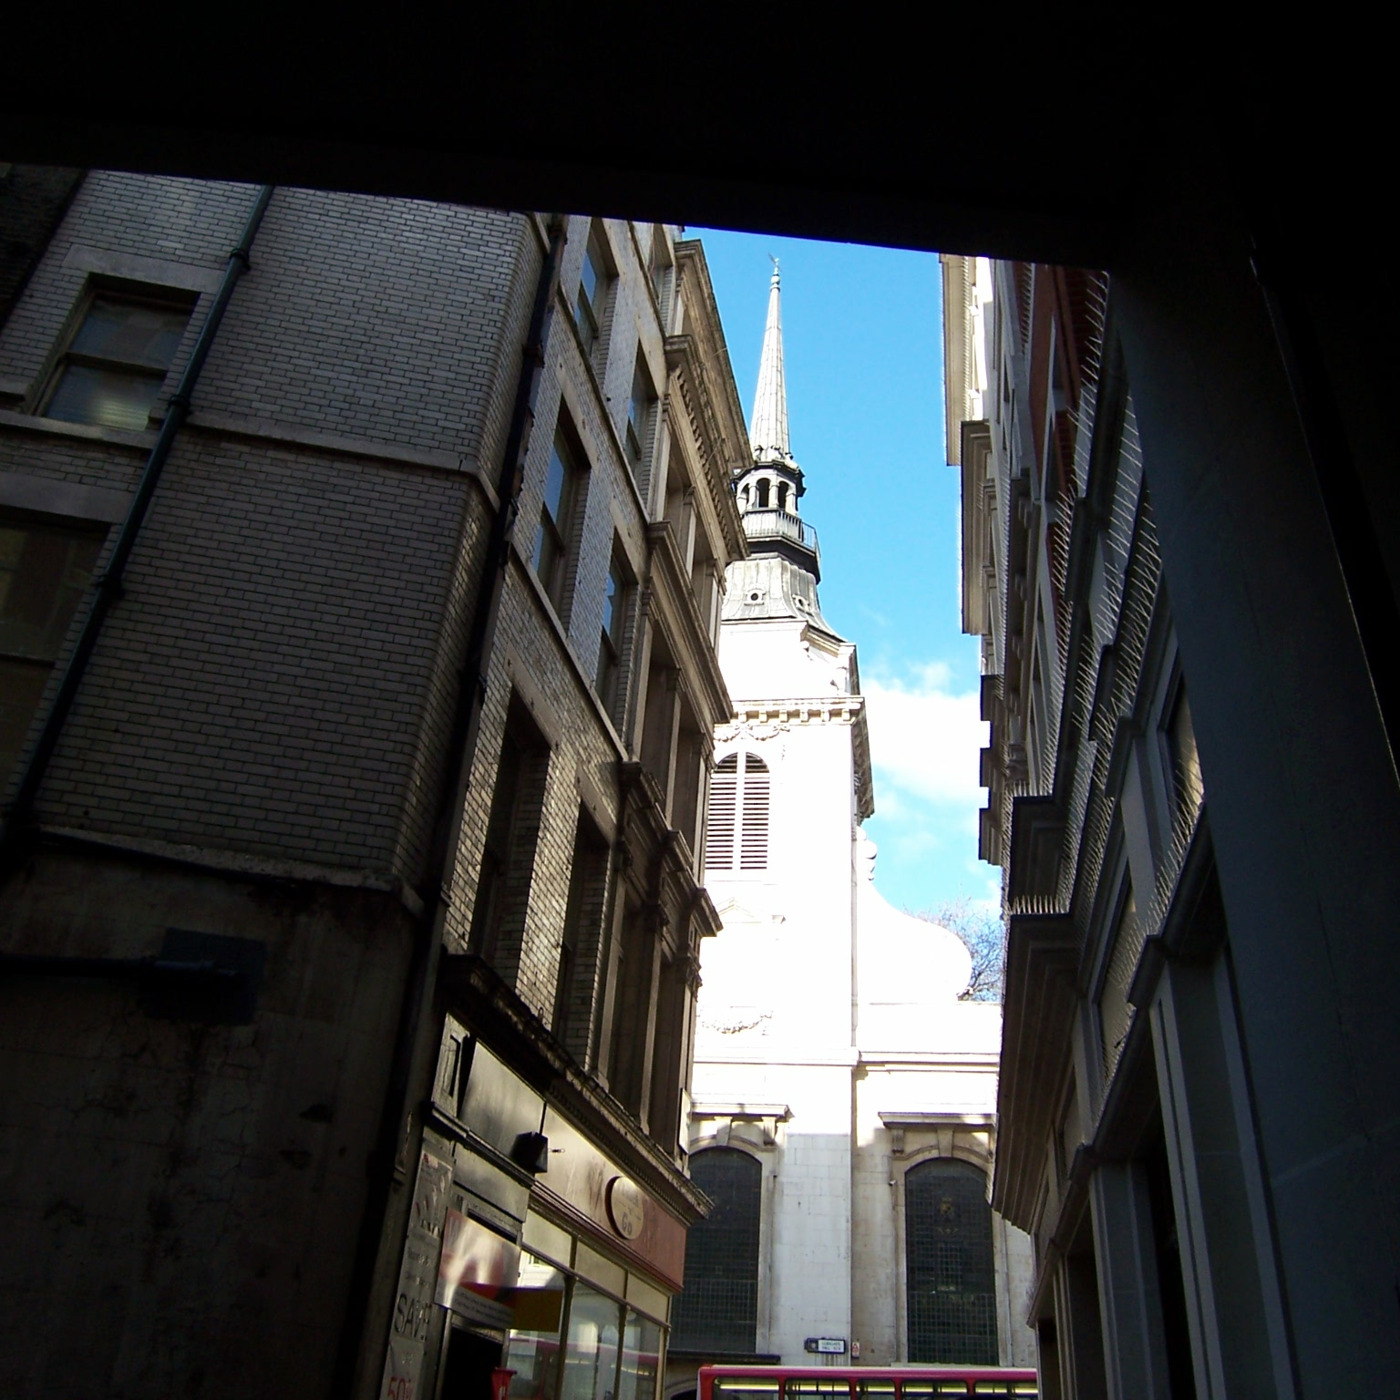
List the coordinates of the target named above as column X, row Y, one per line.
column 456, row 769
column 109, row 585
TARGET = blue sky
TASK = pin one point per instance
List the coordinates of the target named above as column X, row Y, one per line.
column 862, row 335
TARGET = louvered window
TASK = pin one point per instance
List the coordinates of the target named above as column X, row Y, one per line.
column 737, row 829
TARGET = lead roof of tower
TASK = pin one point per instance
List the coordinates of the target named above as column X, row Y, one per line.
column 765, row 587
column 768, row 429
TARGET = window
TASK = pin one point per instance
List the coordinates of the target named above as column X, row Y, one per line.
column 949, row 1270
column 737, row 827
column 554, row 542
column 44, row 570
column 584, row 919
column 717, row 1311
column 616, row 601
column 660, row 266
column 512, row 829
column 639, row 409
column 590, row 305
column 1185, row 759
column 112, row 372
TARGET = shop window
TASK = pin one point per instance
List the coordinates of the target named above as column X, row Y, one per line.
column 44, row 570
column 737, row 823
column 591, row 1349
column 508, row 857
column 532, row 1350
column 949, row 1270
column 717, row 1311
column 115, row 366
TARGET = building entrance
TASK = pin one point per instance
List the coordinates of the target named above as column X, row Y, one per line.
column 471, row 1358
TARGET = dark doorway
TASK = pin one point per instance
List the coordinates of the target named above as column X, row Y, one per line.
column 466, row 1369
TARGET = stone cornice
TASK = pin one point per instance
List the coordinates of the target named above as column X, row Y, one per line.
column 1042, row 961
column 783, row 713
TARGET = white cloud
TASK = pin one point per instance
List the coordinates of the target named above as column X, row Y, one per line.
column 925, row 737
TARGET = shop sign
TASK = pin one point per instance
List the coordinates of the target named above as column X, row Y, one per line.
column 626, row 1207
column 477, row 1275
column 403, row 1366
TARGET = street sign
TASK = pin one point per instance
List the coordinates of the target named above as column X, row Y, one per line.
column 826, row 1346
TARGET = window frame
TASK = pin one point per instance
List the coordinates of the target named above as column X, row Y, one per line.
column 748, row 855
column 591, row 302
column 71, row 355
column 554, row 555
column 619, row 587
column 637, row 430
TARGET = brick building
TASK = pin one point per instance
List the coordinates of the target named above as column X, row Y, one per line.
column 358, row 600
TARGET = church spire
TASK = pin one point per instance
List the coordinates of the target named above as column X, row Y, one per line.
column 768, row 431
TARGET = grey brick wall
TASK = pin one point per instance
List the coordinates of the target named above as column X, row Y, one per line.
column 278, row 678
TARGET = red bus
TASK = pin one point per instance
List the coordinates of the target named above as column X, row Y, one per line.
column 863, row 1382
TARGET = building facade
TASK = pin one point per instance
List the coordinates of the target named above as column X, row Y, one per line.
column 359, row 593
column 844, row 1097
column 1130, row 1141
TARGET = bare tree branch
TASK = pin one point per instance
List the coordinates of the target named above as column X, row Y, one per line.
column 985, row 937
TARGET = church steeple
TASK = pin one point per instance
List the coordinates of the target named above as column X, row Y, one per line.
column 768, row 490
column 768, row 429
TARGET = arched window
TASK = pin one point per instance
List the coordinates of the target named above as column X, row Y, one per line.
column 782, row 495
column 763, row 493
column 736, row 830
column 717, row 1311
column 949, row 1270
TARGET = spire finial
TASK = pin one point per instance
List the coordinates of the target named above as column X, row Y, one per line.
column 768, row 430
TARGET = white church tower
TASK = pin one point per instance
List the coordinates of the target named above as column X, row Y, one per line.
column 832, row 1056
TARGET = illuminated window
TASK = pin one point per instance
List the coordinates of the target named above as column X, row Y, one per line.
column 114, row 368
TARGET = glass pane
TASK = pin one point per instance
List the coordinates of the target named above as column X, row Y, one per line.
column 950, row 1275
column 1024, row 1389
column 147, row 335
column 798, row 1386
column 588, row 282
column 745, row 1387
column 110, row 397
column 555, row 479
column 590, row 1357
column 717, row 1310
column 924, row 1390
column 641, row 1356
column 875, row 1390
column 532, row 1350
